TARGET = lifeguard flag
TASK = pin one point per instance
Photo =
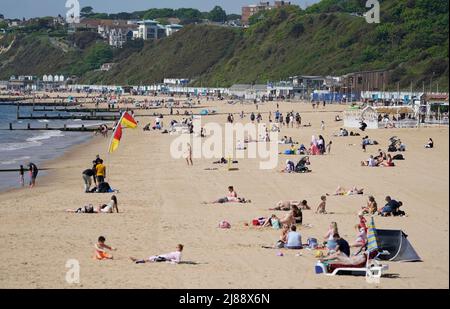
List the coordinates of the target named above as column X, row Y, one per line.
column 117, row 135
column 128, row 121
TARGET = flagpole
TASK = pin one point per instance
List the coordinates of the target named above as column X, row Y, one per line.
column 110, row 143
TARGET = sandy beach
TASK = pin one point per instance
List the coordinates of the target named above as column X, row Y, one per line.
column 160, row 200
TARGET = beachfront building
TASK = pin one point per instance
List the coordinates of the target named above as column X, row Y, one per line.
column 171, row 29
column 176, row 81
column 150, row 30
column 22, row 82
column 365, row 81
column 252, row 9
column 391, row 97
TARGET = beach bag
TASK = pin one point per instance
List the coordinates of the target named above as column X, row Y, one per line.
column 104, row 188
column 224, row 224
column 255, row 222
column 312, row 243
column 398, row 157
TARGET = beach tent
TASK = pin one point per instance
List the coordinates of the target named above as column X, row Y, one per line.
column 397, row 246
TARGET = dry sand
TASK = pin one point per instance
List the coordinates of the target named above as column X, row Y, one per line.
column 160, row 202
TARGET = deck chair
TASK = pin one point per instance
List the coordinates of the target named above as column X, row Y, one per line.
column 370, row 267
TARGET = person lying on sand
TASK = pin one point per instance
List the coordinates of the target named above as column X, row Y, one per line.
column 100, row 249
column 172, row 257
column 287, row 205
column 291, row 206
column 353, row 191
column 104, row 208
column 275, row 222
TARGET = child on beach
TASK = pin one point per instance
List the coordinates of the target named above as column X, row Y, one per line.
column 173, row 257
column 321, row 208
column 21, row 176
column 100, row 249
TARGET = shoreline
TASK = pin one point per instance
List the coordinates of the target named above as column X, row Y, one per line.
column 160, row 206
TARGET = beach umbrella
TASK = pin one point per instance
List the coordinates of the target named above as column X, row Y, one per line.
column 372, row 244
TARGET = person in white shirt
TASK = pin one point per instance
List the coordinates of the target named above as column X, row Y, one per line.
column 172, row 257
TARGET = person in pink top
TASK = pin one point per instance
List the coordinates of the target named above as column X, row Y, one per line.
column 172, row 257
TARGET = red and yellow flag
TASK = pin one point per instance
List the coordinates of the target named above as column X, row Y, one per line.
column 117, row 135
column 128, row 121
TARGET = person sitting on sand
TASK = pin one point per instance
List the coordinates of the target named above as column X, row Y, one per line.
column 283, row 237
column 328, row 237
column 390, row 208
column 361, row 238
column 430, row 143
column 230, row 197
column 173, row 257
column 371, row 207
column 289, row 167
column 272, row 221
column 321, row 209
column 100, row 250
column 371, row 162
column 388, row 162
column 294, row 239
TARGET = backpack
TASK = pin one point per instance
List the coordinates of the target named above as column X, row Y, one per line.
column 104, row 187
column 312, row 243
column 398, row 157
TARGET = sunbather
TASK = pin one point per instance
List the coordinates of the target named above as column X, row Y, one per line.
column 104, row 208
column 173, row 257
column 342, row 191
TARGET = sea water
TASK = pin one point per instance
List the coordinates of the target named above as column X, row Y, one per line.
column 23, row 146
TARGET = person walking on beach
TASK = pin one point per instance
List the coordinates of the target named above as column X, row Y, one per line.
column 33, row 174
column 87, row 177
column 21, row 176
column 100, row 172
column 189, row 155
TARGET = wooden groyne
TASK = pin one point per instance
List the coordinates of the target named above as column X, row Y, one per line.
column 70, row 117
column 77, row 110
column 82, row 128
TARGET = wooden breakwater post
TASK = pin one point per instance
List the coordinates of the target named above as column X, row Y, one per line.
column 10, row 126
column 17, row 112
column 28, row 126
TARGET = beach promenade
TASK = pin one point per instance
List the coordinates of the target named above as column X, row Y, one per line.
column 160, row 200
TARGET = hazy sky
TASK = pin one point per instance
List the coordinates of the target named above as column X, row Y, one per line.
column 36, row 8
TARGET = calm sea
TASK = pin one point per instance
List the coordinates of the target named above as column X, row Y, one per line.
column 21, row 147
